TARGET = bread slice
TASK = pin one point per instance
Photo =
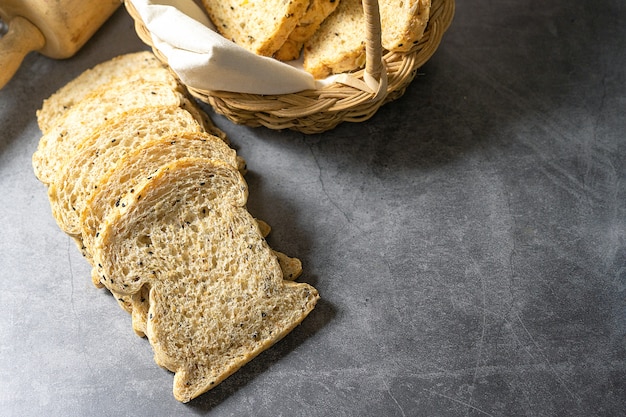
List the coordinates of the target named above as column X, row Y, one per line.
column 216, row 294
column 149, row 88
column 73, row 92
column 260, row 26
column 403, row 23
column 119, row 185
column 316, row 13
column 99, row 152
column 339, row 44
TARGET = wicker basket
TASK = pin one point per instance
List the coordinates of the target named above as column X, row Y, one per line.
column 315, row 111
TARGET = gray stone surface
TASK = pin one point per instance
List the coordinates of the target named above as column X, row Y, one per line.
column 468, row 241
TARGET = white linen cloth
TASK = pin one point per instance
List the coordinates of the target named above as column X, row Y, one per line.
column 205, row 60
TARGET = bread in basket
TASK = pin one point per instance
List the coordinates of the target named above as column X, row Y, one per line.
column 355, row 98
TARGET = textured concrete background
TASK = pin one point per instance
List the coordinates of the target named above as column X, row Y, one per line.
column 468, row 242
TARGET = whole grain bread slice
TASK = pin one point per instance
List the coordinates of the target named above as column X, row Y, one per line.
column 216, row 293
column 120, row 67
column 138, row 304
column 150, row 88
column 260, row 26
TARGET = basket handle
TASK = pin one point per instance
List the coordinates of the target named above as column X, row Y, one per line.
column 375, row 75
column 373, row 45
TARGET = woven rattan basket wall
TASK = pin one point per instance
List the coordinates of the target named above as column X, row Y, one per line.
column 315, row 111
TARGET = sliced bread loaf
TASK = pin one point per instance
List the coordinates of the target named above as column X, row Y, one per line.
column 73, row 92
column 110, row 100
column 315, row 14
column 216, row 294
column 260, row 26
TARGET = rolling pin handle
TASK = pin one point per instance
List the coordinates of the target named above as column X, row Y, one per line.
column 21, row 38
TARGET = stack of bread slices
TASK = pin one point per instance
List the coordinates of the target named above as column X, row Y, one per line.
column 155, row 198
column 329, row 34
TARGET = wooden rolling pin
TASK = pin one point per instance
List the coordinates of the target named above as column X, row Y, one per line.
column 54, row 28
